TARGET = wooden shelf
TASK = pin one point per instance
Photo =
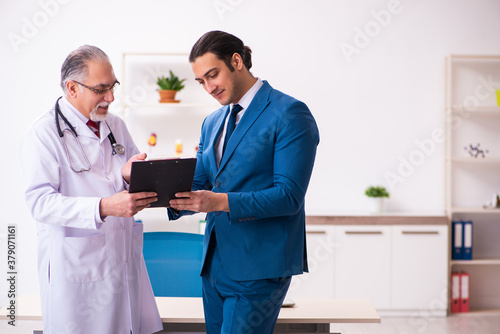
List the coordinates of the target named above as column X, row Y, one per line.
column 167, row 109
column 478, row 111
column 476, row 262
column 479, row 160
column 173, row 105
column 475, row 57
column 383, row 219
column 475, row 210
column 478, row 312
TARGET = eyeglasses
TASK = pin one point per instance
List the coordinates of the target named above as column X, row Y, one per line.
column 100, row 91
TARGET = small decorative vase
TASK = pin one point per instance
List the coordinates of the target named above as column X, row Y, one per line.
column 376, row 205
column 168, row 96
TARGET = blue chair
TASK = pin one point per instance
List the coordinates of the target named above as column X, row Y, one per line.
column 173, row 260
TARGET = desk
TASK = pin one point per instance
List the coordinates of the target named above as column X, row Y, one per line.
column 186, row 314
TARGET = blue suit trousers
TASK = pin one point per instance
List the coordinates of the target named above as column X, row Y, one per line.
column 239, row 307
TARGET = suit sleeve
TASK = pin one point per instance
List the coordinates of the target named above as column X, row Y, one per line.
column 294, row 154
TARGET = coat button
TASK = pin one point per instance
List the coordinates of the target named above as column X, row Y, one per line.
column 217, row 213
column 217, row 184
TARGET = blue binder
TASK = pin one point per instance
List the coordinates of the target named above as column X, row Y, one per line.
column 467, row 240
column 457, row 240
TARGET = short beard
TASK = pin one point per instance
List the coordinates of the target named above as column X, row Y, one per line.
column 99, row 117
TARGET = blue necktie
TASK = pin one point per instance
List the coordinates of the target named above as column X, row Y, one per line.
column 231, row 124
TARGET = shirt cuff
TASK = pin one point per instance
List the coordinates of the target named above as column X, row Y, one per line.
column 125, row 184
column 97, row 215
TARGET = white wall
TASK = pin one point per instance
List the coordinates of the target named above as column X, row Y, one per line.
column 373, row 108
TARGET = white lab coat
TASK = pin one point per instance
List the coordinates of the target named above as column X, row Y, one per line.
column 92, row 273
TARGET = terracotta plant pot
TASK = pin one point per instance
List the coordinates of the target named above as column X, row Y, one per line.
column 168, row 96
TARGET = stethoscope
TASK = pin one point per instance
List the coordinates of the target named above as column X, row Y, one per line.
column 117, row 148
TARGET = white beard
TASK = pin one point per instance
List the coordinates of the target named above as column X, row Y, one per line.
column 99, row 117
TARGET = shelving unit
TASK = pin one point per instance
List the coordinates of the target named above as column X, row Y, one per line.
column 170, row 121
column 143, row 114
column 472, row 117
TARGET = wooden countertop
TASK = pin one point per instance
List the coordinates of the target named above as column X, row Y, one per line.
column 190, row 310
column 377, row 220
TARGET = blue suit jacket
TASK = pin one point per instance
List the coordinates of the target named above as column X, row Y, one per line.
column 265, row 171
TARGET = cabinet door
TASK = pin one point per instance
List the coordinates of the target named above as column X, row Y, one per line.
column 318, row 283
column 419, row 274
column 362, row 263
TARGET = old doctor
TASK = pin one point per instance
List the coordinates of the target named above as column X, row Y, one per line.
column 76, row 161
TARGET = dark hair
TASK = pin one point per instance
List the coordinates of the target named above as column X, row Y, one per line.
column 75, row 65
column 224, row 46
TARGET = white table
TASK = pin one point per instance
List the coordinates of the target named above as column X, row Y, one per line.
column 186, row 314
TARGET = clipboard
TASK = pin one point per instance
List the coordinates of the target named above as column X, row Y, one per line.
column 166, row 177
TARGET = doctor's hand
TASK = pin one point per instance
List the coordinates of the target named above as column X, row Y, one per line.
column 124, row 204
column 200, row 201
column 128, row 165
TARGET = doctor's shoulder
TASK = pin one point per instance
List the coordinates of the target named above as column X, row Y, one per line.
column 43, row 125
column 39, row 136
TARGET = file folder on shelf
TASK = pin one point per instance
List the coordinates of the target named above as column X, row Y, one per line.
column 464, row 292
column 457, row 240
column 455, row 293
column 467, row 240
column 459, row 292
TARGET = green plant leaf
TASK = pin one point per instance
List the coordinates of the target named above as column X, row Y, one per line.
column 376, row 191
column 170, row 83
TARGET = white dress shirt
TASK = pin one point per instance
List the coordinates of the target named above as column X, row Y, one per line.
column 244, row 102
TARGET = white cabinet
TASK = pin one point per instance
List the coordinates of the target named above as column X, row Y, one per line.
column 362, row 263
column 419, row 268
column 401, row 269
column 317, row 283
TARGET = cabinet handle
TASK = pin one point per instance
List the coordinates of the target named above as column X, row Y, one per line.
column 363, row 232
column 420, row 232
column 315, row 232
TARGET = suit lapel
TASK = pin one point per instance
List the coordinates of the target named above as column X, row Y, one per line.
column 255, row 109
column 219, row 125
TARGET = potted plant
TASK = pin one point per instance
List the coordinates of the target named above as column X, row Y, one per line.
column 377, row 194
column 169, row 86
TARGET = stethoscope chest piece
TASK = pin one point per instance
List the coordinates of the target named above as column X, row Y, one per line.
column 118, row 148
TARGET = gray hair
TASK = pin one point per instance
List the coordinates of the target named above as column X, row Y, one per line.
column 75, row 65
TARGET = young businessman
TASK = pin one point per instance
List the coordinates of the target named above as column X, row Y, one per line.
column 252, row 182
